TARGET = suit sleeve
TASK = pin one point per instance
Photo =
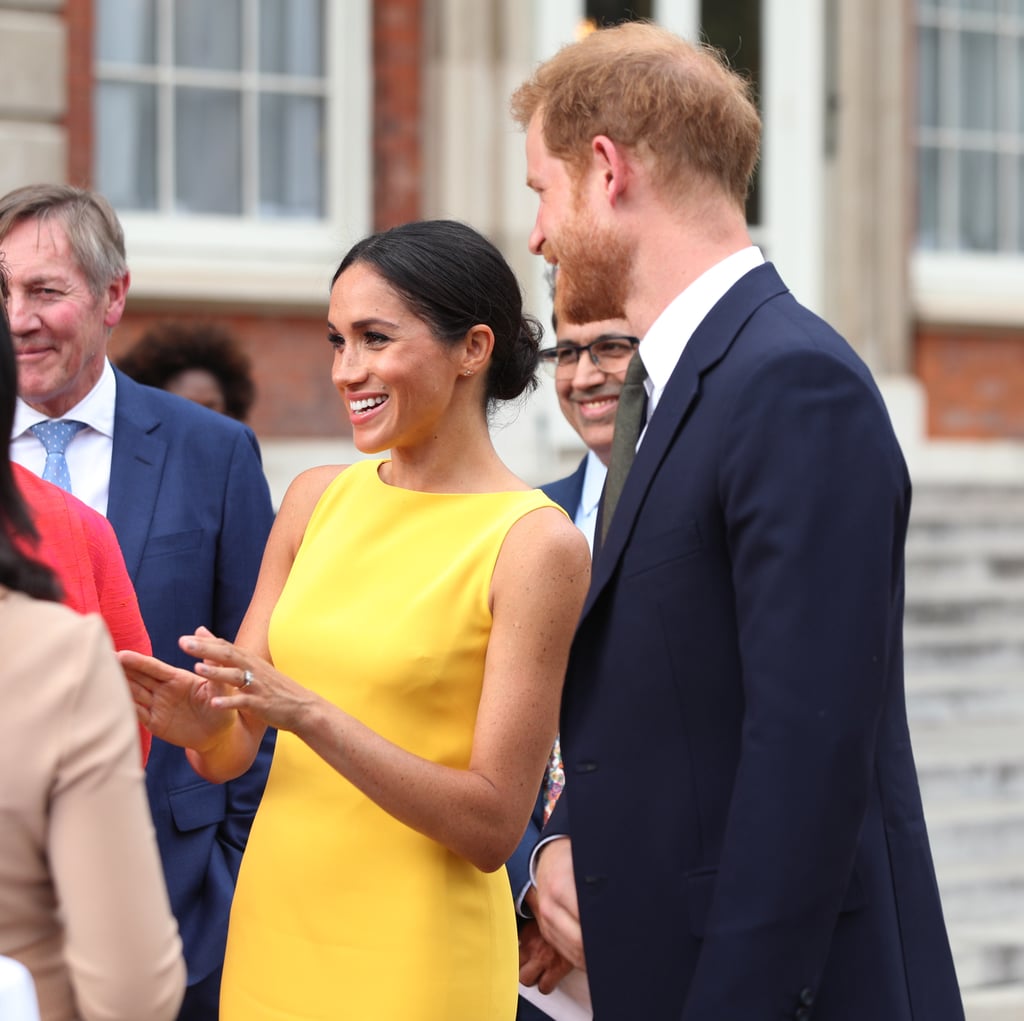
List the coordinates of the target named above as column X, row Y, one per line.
column 519, row 864
column 815, row 498
column 248, row 515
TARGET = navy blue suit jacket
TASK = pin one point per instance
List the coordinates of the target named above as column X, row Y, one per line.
column 192, row 511
column 736, row 680
column 566, row 493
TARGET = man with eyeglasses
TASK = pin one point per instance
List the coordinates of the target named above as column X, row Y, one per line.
column 588, row 363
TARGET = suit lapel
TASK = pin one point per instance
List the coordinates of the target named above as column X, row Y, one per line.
column 709, row 344
column 136, row 469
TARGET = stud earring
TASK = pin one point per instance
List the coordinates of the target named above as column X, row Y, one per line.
column 468, row 372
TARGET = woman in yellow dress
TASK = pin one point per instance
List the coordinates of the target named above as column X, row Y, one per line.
column 407, row 637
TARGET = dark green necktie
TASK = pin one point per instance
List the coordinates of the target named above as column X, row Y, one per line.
column 629, row 420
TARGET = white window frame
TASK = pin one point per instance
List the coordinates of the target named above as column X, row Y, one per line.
column 227, row 259
column 959, row 287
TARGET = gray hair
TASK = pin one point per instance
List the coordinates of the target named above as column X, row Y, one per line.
column 89, row 221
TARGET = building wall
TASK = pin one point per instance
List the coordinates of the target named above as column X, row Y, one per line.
column 33, row 94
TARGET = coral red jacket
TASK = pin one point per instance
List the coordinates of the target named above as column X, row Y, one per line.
column 79, row 545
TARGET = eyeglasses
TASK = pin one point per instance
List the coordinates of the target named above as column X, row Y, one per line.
column 610, row 352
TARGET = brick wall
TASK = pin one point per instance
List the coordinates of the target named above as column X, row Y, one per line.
column 973, row 380
column 291, row 363
column 397, row 111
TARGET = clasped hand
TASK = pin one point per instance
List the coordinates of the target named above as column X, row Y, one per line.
column 196, row 709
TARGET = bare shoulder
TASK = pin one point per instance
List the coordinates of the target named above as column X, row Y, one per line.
column 547, row 542
column 302, row 497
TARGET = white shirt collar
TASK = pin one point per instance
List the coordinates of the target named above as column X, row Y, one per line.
column 95, row 409
column 664, row 342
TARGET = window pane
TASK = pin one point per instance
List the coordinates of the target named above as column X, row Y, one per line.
column 978, row 201
column 928, row 77
column 208, row 151
column 978, row 80
column 125, row 31
column 208, row 34
column 125, row 150
column 291, row 156
column 291, row 37
column 928, row 197
column 979, row 5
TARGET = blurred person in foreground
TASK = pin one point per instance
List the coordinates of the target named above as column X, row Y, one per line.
column 735, row 686
column 83, row 903
column 199, row 361
column 185, row 493
column 408, row 639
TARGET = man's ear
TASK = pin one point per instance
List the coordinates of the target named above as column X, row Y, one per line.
column 115, row 296
column 610, row 159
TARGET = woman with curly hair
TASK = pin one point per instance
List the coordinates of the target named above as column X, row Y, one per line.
column 200, row 361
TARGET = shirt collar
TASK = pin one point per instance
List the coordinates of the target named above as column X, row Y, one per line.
column 664, row 342
column 593, row 483
column 95, row 409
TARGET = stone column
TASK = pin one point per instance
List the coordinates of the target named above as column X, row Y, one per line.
column 32, row 98
column 869, row 188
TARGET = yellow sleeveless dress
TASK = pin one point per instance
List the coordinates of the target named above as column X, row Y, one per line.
column 342, row 912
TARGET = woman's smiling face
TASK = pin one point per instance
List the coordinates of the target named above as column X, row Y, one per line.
column 396, row 377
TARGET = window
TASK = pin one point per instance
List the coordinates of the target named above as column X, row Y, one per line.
column 970, row 125
column 247, row 117
column 211, row 108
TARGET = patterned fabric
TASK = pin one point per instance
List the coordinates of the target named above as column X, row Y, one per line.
column 55, row 437
column 554, row 779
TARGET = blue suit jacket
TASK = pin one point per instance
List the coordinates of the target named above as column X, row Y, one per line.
column 566, row 493
column 737, row 681
column 192, row 511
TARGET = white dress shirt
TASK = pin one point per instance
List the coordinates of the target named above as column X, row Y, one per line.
column 663, row 344
column 90, row 451
column 585, row 518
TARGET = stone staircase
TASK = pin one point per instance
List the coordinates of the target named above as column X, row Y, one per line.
column 964, row 646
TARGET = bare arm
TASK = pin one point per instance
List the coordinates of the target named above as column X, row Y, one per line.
column 537, row 591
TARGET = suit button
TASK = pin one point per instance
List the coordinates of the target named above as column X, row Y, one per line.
column 807, row 997
column 802, row 1014
column 586, row 767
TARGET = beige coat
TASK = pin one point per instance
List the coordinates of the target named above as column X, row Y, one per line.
column 82, row 898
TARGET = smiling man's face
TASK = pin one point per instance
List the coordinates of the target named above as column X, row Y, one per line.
column 59, row 326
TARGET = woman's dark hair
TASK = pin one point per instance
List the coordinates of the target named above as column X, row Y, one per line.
column 18, row 571
column 453, row 278
column 169, row 348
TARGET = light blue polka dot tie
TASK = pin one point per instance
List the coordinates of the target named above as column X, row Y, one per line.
column 55, row 436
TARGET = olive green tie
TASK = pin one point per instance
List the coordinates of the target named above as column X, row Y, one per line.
column 629, row 419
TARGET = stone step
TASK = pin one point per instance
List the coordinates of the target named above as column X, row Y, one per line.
column 982, row 891
column 976, row 831
column 969, row 761
column 995, row 1003
column 976, row 645
column 987, row 955
column 969, row 695
column 965, row 601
